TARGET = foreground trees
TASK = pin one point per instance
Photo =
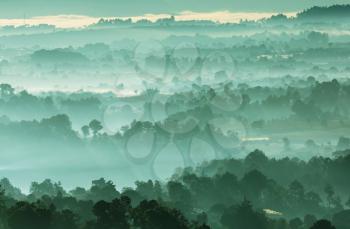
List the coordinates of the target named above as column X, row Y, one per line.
column 118, row 214
column 62, row 211
column 244, row 216
column 214, row 194
column 323, row 224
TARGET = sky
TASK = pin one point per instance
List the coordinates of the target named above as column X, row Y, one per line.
column 78, row 13
column 112, row 8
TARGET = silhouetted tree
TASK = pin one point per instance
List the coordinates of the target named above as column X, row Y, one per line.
column 85, row 130
column 244, row 216
column 6, row 91
column 151, row 215
column 309, row 220
column 253, row 183
column 323, row 224
column 95, row 126
column 26, row 215
column 46, row 188
column 3, row 215
column 65, row 219
column 180, row 196
column 112, row 215
column 295, row 223
column 103, row 190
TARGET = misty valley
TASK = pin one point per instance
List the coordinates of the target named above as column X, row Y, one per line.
column 177, row 124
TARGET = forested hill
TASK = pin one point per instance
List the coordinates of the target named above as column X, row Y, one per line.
column 335, row 12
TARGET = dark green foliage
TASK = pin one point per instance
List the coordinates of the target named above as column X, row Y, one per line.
column 46, row 188
column 188, row 201
column 95, row 126
column 244, row 216
column 323, row 224
column 113, row 214
column 26, row 215
column 335, row 12
column 151, row 215
column 341, row 220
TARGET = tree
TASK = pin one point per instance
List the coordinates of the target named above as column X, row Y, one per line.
column 309, row 220
column 151, row 215
column 330, row 194
column 243, row 216
column 59, row 123
column 2, row 208
column 85, row 130
column 296, row 191
column 102, row 212
column 147, row 189
column 295, row 223
column 317, row 38
column 253, row 183
column 312, row 201
column 333, row 201
column 135, row 196
column 256, row 159
column 65, row 219
column 6, row 91
column 308, row 111
column 46, row 188
column 112, row 215
column 180, row 196
column 103, row 190
column 95, row 126
column 10, row 190
column 323, row 224
column 29, row 216
column 227, row 188
column 79, row 193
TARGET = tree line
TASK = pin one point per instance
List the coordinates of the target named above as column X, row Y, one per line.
column 219, row 194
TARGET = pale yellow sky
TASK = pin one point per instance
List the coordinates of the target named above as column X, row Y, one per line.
column 76, row 21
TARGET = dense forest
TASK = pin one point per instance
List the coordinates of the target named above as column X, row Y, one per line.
column 255, row 192
column 156, row 122
column 275, row 192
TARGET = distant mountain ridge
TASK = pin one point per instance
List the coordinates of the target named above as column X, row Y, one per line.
column 334, row 12
column 337, row 13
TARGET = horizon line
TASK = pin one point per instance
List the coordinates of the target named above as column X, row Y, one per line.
column 71, row 21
